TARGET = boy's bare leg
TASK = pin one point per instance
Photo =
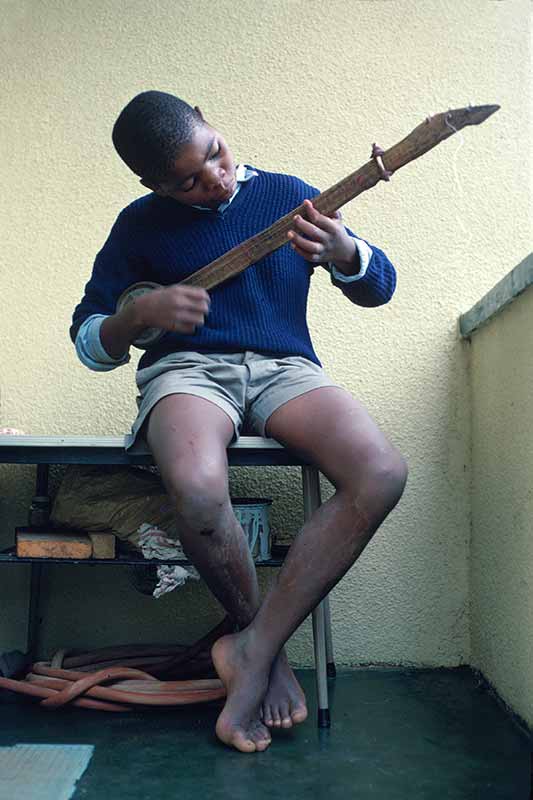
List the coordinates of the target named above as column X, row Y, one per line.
column 334, row 431
column 188, row 437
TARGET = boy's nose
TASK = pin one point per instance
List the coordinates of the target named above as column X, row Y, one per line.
column 213, row 178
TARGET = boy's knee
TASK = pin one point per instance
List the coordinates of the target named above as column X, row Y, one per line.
column 387, row 477
column 382, row 485
column 200, row 496
column 396, row 472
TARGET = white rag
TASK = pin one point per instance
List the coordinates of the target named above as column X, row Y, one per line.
column 155, row 544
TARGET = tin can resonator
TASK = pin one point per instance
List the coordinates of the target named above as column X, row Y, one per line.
column 149, row 336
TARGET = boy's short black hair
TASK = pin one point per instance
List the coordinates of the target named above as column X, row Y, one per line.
column 150, row 131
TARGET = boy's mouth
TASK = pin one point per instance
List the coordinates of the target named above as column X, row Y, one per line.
column 227, row 192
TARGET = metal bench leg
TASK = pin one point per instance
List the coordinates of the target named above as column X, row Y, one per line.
column 33, row 611
column 312, row 500
column 319, row 639
column 330, row 658
column 37, row 517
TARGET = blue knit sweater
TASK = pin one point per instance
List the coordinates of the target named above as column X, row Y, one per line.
column 263, row 309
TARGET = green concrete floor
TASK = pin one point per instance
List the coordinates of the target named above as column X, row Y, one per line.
column 396, row 735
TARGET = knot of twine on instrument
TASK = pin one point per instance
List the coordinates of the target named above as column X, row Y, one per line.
column 116, row 679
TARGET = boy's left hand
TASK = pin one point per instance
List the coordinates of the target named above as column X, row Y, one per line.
column 322, row 239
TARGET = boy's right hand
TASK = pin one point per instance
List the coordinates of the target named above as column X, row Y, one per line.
column 176, row 308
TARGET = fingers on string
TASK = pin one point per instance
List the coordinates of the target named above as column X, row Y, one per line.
column 305, row 246
column 325, row 222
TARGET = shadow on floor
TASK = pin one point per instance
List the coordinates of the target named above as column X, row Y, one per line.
column 395, row 735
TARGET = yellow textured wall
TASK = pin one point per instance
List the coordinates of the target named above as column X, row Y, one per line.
column 502, row 510
column 303, row 87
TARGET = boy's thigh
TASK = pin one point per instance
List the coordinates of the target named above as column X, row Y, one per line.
column 218, row 379
column 188, row 437
column 330, row 428
column 186, row 422
column 276, row 381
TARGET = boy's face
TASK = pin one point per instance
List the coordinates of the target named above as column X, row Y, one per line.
column 203, row 173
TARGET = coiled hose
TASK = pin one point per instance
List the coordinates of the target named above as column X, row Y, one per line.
column 117, row 678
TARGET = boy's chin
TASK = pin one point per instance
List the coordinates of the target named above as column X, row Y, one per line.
column 223, row 197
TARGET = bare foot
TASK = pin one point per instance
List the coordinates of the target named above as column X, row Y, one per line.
column 284, row 703
column 239, row 724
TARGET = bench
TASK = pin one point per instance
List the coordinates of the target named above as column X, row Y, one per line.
column 44, row 451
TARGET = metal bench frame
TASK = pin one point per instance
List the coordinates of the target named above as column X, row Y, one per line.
column 44, row 451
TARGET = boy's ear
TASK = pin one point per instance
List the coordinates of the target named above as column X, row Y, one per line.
column 147, row 184
column 154, row 187
column 198, row 111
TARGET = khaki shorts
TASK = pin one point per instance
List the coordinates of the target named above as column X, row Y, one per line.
column 247, row 386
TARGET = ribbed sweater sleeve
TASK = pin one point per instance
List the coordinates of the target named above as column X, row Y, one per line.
column 117, row 265
column 377, row 286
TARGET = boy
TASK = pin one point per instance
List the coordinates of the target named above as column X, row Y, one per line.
column 243, row 352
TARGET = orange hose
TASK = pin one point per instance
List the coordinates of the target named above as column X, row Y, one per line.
column 126, row 687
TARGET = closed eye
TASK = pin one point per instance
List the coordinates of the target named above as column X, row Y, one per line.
column 216, row 151
column 190, row 182
column 187, row 188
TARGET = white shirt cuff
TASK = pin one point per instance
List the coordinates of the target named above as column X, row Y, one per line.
column 365, row 254
column 90, row 349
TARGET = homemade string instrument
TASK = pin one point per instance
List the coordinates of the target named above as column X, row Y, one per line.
column 382, row 165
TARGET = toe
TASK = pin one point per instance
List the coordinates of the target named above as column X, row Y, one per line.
column 235, row 736
column 267, row 716
column 286, row 721
column 276, row 719
column 243, row 741
column 298, row 714
column 262, row 745
column 260, row 736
